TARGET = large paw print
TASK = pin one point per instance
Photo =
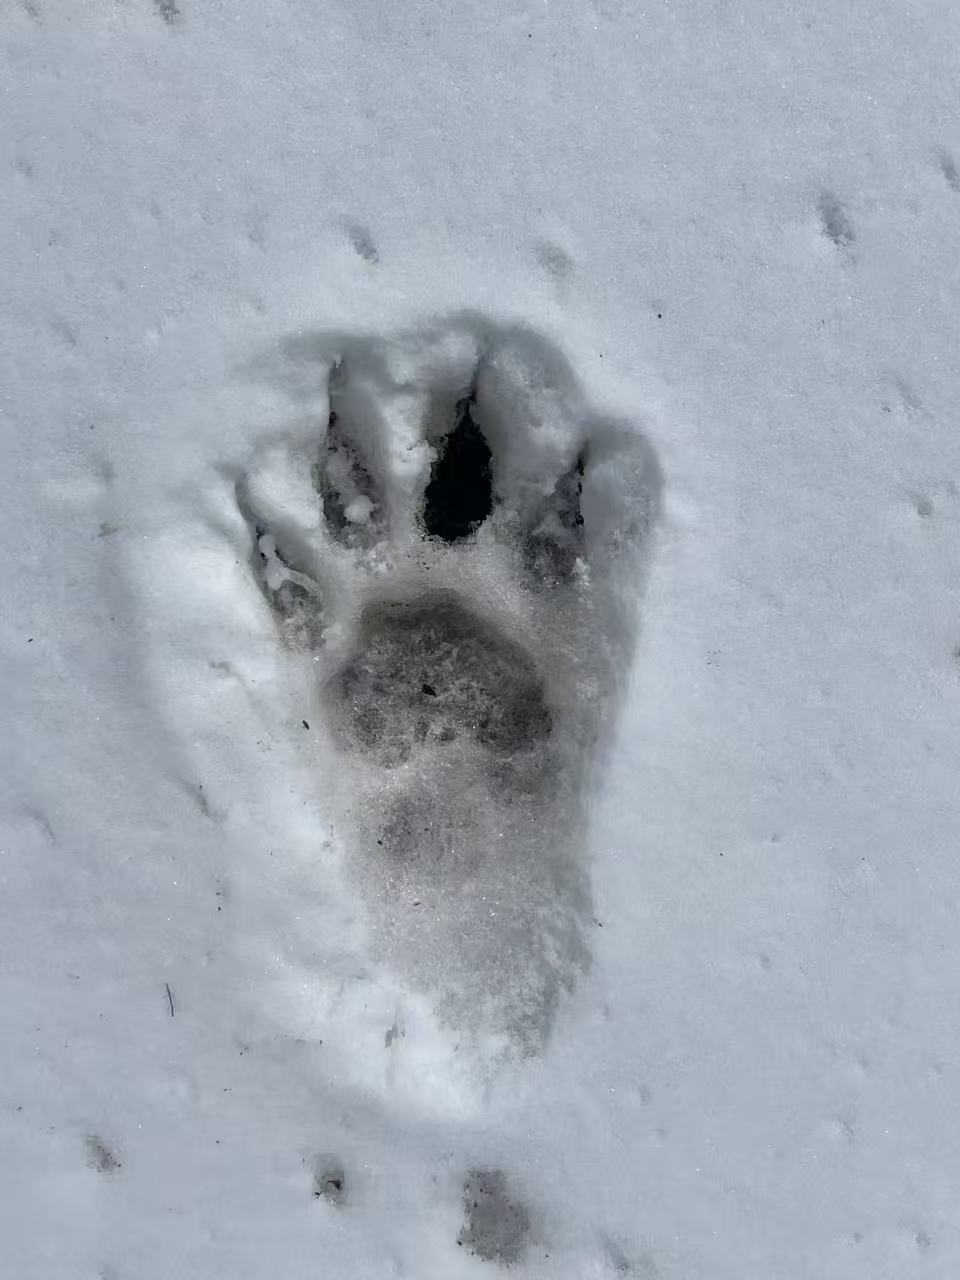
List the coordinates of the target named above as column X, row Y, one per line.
column 458, row 549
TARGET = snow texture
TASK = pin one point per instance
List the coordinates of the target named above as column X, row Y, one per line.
column 481, row 643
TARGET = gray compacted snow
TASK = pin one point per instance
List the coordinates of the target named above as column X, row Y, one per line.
column 480, row 640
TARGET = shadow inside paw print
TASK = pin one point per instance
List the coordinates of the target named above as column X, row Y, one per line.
column 459, row 495
column 457, row 550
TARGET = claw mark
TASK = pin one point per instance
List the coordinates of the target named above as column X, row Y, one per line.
column 948, row 168
column 293, row 596
column 168, row 11
column 363, row 243
column 555, row 541
column 554, row 261
column 836, row 225
column 348, row 495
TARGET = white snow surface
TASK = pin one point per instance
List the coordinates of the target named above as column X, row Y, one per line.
column 736, row 231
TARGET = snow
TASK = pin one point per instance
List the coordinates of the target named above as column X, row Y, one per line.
column 718, row 245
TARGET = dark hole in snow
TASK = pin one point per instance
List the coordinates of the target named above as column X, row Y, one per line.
column 459, row 495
